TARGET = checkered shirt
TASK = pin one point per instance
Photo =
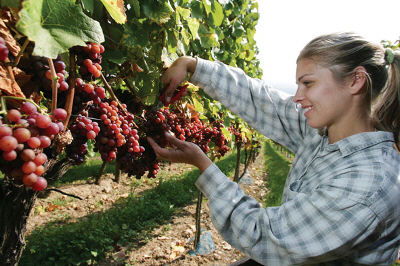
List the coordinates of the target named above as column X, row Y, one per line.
column 341, row 201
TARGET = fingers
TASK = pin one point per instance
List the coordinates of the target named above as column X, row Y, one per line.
column 154, row 145
column 182, row 152
column 179, row 144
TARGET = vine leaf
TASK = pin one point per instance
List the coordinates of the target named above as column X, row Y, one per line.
column 217, row 14
column 133, row 36
column 56, row 25
column 10, row 3
column 136, row 6
column 158, row 12
column 193, row 25
column 116, row 9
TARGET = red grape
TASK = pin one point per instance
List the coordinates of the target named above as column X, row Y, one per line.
column 43, row 121
column 39, row 170
column 60, row 114
column 52, row 129
column 9, row 156
column 33, row 142
column 5, row 131
column 22, row 134
column 3, row 52
column 44, row 141
column 13, row 115
column 29, row 179
column 27, row 155
column 40, row 159
column 28, row 108
column 8, row 143
column 40, row 184
column 29, row 167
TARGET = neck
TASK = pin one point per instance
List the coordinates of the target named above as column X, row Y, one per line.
column 358, row 124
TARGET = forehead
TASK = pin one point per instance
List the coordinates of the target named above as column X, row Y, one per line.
column 307, row 66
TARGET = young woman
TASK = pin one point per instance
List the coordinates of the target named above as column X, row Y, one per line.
column 341, row 201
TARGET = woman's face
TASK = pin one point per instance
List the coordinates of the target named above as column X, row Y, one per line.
column 323, row 99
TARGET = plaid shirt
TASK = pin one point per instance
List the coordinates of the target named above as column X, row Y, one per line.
column 341, row 201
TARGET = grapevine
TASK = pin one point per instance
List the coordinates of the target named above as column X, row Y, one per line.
column 106, row 78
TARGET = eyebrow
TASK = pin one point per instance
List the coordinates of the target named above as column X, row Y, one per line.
column 299, row 79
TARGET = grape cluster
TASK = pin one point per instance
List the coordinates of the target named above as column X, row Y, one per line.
column 89, row 60
column 3, row 50
column 24, row 133
column 157, row 122
column 82, row 129
column 235, row 130
column 116, row 130
column 39, row 70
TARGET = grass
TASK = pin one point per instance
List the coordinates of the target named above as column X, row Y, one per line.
column 277, row 167
column 91, row 167
column 94, row 236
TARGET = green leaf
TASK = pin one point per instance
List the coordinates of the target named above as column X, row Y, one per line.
column 10, row 3
column 197, row 106
column 88, row 5
column 134, row 36
column 157, row 12
column 186, row 36
column 136, row 6
column 226, row 133
column 217, row 13
column 116, row 9
column 115, row 56
column 193, row 25
column 55, row 26
column 183, row 12
column 197, row 9
column 207, row 6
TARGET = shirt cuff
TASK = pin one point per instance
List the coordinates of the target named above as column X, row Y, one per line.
column 204, row 70
column 210, row 180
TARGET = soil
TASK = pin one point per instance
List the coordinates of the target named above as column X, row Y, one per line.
column 169, row 244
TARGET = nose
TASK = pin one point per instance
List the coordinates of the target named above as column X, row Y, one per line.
column 299, row 96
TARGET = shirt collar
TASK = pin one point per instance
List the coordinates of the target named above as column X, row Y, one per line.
column 360, row 141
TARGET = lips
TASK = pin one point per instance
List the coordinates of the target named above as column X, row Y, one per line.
column 307, row 109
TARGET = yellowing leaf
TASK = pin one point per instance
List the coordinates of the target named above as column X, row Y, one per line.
column 116, row 9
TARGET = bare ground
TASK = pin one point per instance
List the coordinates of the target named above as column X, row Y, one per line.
column 168, row 244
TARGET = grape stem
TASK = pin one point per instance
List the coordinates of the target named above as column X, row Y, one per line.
column 3, row 101
column 53, row 85
column 3, row 110
column 71, row 90
column 21, row 52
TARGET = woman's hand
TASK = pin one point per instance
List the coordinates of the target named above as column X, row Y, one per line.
column 176, row 74
column 182, row 152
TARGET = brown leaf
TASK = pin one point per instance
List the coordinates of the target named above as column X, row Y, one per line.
column 8, row 85
column 11, row 43
column 52, row 207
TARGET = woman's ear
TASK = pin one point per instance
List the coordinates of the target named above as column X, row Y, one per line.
column 359, row 80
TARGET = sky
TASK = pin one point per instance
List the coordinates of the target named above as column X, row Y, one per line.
column 285, row 27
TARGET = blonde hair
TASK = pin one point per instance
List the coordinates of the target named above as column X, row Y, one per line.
column 343, row 52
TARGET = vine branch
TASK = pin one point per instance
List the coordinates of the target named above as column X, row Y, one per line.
column 53, row 85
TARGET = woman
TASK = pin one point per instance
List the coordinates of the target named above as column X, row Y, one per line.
column 341, row 200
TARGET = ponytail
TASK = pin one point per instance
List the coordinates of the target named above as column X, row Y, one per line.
column 386, row 111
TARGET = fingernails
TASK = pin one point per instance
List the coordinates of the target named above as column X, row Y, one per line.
column 167, row 99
